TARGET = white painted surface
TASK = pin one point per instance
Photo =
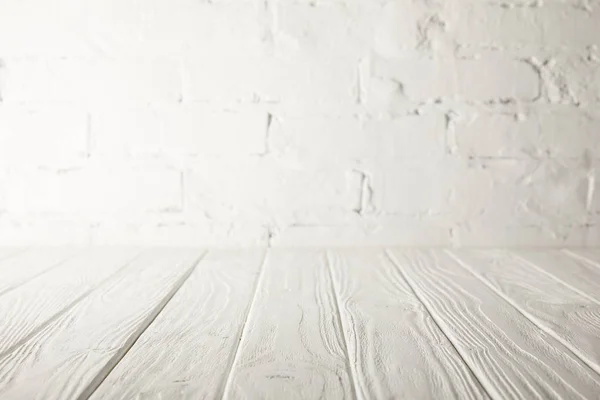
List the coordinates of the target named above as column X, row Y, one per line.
column 564, row 314
column 377, row 309
column 305, row 324
column 184, row 122
column 292, row 345
column 8, row 252
column 23, row 266
column 504, row 349
column 577, row 273
column 188, row 350
column 590, row 256
column 70, row 357
column 29, row 308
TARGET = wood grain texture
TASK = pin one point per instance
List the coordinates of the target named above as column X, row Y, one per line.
column 27, row 308
column 8, row 252
column 188, row 350
column 21, row 267
column 70, row 356
column 292, row 346
column 590, row 256
column 511, row 357
column 396, row 350
column 566, row 315
column 581, row 276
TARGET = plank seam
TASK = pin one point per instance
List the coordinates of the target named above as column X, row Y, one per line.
column 67, row 308
column 341, row 324
column 42, row 272
column 556, row 278
column 396, row 265
column 110, row 365
column 539, row 324
column 226, row 386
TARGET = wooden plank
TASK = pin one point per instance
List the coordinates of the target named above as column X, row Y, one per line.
column 8, row 252
column 396, row 350
column 20, row 268
column 569, row 317
column 292, row 346
column 511, row 357
column 188, row 350
column 573, row 272
column 590, row 256
column 26, row 309
column 73, row 354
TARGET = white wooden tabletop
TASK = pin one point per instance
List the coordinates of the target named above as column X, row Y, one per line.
column 372, row 323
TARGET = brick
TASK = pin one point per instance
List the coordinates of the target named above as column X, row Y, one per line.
column 135, row 188
column 300, row 82
column 34, row 192
column 194, row 129
column 205, row 29
column 371, row 231
column 489, row 134
column 94, row 191
column 510, row 235
column 569, row 78
column 311, row 139
column 127, row 29
column 339, row 28
column 400, row 27
column 568, row 132
column 190, row 129
column 579, row 27
column 264, row 191
column 177, row 234
column 126, row 131
column 390, row 37
column 501, row 79
column 535, row 3
column 479, row 80
column 42, row 135
column 308, row 84
column 491, row 26
column 91, row 82
column 227, row 79
column 3, row 191
column 549, row 195
column 502, row 27
column 2, row 78
column 40, row 29
column 43, row 231
column 413, row 188
column 559, row 132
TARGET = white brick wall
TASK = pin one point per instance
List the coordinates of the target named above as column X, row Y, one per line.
column 292, row 122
